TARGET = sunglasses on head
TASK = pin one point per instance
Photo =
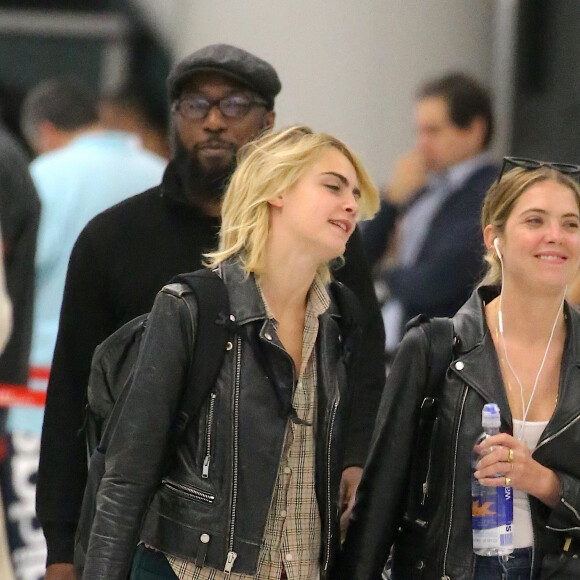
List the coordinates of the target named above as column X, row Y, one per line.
column 531, row 164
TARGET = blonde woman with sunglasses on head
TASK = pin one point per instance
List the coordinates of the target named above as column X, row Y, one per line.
column 517, row 344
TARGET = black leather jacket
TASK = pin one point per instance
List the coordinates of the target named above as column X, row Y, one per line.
column 444, row 550
column 220, row 481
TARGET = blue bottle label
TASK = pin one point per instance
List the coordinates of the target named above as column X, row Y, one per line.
column 492, row 517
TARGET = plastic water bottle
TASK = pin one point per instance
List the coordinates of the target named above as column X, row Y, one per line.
column 492, row 510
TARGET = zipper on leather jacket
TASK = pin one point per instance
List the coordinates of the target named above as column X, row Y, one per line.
column 328, row 485
column 231, row 557
column 576, row 515
column 427, row 475
column 210, row 416
column 572, row 509
column 193, row 492
column 557, row 433
column 446, row 551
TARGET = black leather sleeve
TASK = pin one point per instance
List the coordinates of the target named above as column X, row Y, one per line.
column 566, row 514
column 138, row 447
column 382, row 492
column 369, row 367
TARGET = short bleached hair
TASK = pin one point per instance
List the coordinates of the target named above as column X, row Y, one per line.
column 268, row 167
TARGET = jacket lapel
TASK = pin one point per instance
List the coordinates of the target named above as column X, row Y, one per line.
column 568, row 405
column 478, row 366
column 477, row 363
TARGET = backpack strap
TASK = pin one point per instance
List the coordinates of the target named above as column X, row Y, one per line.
column 213, row 306
column 441, row 338
column 441, row 335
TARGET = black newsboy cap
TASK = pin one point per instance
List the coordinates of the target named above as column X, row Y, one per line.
column 230, row 61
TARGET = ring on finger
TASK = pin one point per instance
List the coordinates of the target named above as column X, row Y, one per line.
column 508, row 481
column 510, row 456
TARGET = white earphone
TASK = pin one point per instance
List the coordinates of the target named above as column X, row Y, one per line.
column 496, row 246
column 500, row 327
column 499, row 314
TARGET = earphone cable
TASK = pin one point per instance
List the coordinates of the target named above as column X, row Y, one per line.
column 525, row 408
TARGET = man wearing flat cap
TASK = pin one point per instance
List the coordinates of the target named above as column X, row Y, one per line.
column 221, row 97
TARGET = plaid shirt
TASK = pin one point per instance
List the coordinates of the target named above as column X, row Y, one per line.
column 291, row 540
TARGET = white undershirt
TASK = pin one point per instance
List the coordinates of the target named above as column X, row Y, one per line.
column 523, row 533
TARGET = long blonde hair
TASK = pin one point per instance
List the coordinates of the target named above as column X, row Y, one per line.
column 501, row 199
column 266, row 168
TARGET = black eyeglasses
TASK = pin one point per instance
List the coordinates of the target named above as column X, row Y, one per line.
column 531, row 164
column 233, row 106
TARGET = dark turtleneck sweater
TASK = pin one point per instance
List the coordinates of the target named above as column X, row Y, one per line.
column 120, row 261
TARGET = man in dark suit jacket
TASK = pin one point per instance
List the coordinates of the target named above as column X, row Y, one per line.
column 429, row 219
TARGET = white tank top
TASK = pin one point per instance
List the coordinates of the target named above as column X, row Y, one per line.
column 523, row 533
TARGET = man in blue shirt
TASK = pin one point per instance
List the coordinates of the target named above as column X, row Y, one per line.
column 81, row 170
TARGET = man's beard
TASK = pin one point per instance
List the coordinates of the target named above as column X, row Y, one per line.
column 202, row 184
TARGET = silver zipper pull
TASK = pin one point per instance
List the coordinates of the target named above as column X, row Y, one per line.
column 425, row 490
column 205, row 468
column 231, row 558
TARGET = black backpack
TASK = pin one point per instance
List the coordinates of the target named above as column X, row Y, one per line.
column 112, row 370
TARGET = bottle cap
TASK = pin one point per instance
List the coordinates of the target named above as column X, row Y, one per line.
column 490, row 415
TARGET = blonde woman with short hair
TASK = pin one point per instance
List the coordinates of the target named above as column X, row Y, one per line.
column 252, row 490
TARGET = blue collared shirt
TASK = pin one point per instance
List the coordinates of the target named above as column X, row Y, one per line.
column 94, row 171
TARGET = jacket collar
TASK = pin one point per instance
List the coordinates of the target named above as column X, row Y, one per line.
column 469, row 322
column 477, row 362
column 246, row 302
column 458, row 174
column 247, row 306
column 471, row 328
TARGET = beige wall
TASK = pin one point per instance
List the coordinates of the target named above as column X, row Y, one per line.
column 348, row 67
